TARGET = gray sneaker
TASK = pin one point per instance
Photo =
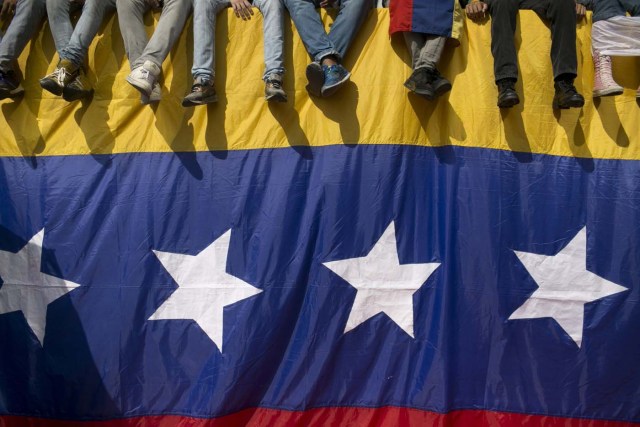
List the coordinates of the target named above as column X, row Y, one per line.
column 273, row 88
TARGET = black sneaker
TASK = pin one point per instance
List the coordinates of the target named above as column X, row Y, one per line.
column 77, row 89
column 567, row 96
column 202, row 92
column 419, row 82
column 315, row 76
column 507, row 95
column 439, row 84
column 10, row 86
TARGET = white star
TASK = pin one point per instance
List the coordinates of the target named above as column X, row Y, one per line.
column 204, row 288
column 564, row 286
column 383, row 285
column 26, row 288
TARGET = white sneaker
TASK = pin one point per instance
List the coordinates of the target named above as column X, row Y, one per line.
column 156, row 95
column 144, row 77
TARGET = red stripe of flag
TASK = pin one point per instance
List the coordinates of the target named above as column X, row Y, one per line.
column 330, row 417
column 401, row 15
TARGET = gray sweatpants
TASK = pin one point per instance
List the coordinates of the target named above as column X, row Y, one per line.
column 426, row 49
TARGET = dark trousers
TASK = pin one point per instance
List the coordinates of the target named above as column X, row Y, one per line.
column 561, row 14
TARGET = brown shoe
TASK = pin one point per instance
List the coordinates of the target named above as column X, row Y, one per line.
column 273, row 88
column 202, row 92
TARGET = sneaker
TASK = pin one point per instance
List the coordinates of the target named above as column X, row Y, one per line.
column 419, row 82
column 10, row 86
column 202, row 92
column 273, row 88
column 438, row 82
column 315, row 76
column 566, row 95
column 156, row 95
column 603, row 84
column 334, row 77
column 64, row 74
column 507, row 95
column 144, row 77
column 77, row 89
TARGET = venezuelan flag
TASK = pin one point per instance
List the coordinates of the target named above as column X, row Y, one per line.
column 372, row 259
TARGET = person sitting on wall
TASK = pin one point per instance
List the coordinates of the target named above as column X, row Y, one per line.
column 561, row 14
column 613, row 34
column 146, row 66
column 326, row 74
column 426, row 26
column 27, row 15
column 204, row 29
column 73, row 45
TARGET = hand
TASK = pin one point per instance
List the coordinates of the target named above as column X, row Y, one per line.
column 476, row 10
column 242, row 9
column 328, row 3
column 153, row 4
column 8, row 8
column 581, row 10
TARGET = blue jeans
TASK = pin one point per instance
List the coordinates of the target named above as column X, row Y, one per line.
column 58, row 12
column 167, row 32
column 319, row 44
column 204, row 30
column 93, row 13
column 23, row 26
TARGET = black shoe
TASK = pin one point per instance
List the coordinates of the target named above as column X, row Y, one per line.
column 439, row 84
column 10, row 86
column 419, row 82
column 315, row 76
column 507, row 95
column 567, row 96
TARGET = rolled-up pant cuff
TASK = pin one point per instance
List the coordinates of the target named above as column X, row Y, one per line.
column 331, row 52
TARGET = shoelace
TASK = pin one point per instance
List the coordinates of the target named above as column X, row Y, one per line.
column 275, row 83
column 145, row 73
column 61, row 76
column 567, row 87
column 603, row 69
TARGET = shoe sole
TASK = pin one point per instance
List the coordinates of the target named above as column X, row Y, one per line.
column 429, row 95
column 330, row 90
column 51, row 87
column 4, row 93
column 607, row 92
column 315, row 76
column 572, row 104
column 509, row 103
column 71, row 95
column 442, row 88
column 143, row 89
column 145, row 100
column 276, row 98
column 189, row 103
